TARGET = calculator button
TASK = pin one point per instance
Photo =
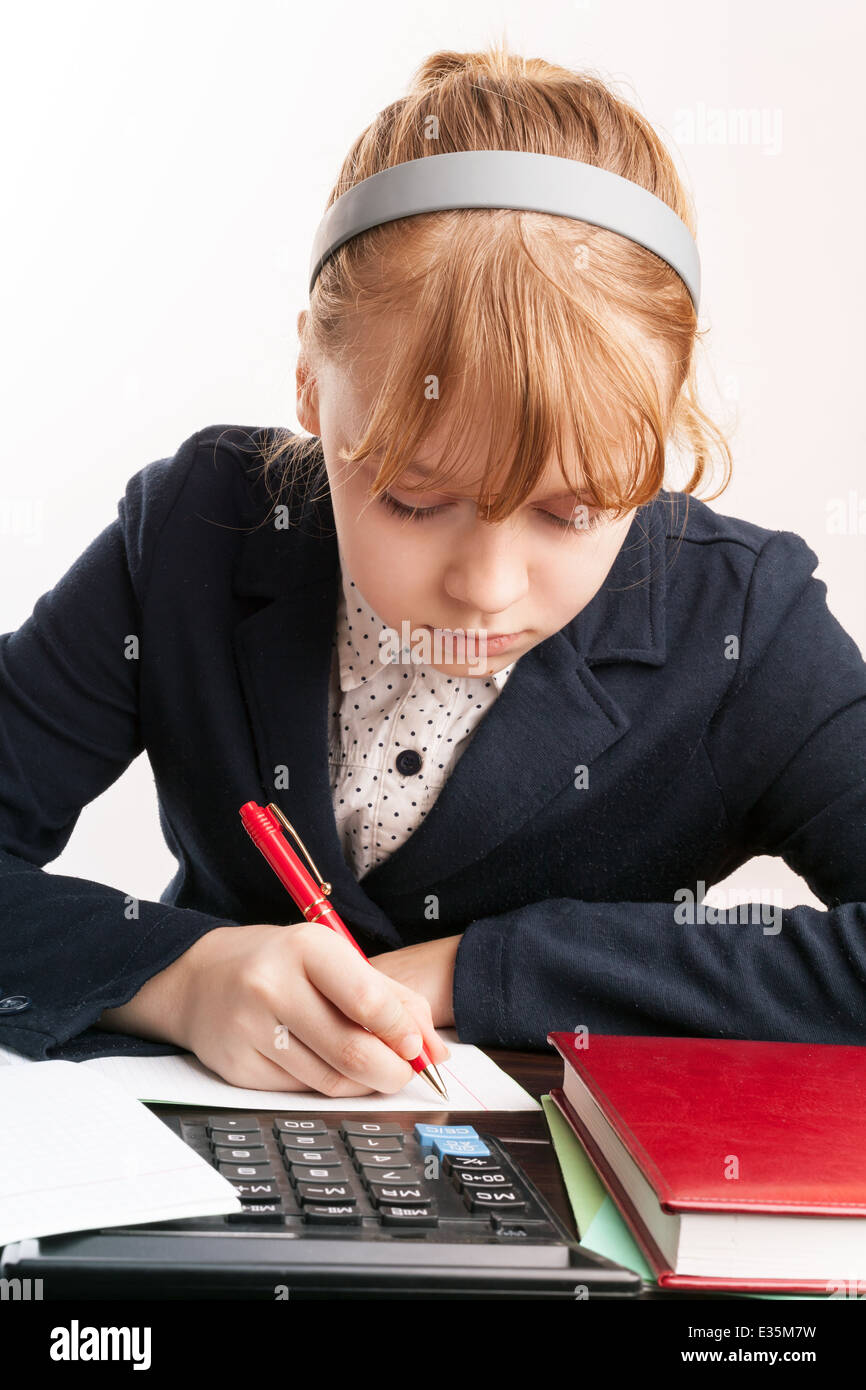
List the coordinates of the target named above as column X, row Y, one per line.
column 284, row 1126
column 425, row 1134
column 251, row 1138
column 450, row 1162
column 231, row 1122
column 326, row 1193
column 389, row 1175
column 335, row 1173
column 507, row 1199
column 481, row 1180
column 370, row 1163
column 398, row 1194
column 408, row 1216
column 295, row 1142
column 332, row 1216
column 268, row 1214
column 324, row 1157
column 257, row 1191
column 372, row 1143
column 471, row 1148
column 253, row 1155
column 244, row 1171
column 362, row 1127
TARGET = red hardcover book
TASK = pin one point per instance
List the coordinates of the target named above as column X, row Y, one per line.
column 737, row 1165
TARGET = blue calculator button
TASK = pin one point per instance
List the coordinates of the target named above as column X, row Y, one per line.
column 427, row 1133
column 473, row 1147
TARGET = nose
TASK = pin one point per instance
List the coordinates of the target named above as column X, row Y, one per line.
column 487, row 574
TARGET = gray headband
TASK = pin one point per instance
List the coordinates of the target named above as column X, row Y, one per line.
column 511, row 179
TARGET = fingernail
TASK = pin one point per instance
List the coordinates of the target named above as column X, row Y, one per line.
column 411, row 1046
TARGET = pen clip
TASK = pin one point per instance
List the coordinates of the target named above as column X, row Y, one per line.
column 324, row 887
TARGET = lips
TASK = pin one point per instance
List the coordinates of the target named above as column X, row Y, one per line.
column 491, row 636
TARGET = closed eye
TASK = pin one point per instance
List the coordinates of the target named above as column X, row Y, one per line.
column 424, row 513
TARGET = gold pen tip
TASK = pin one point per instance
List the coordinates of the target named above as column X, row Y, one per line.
column 431, row 1075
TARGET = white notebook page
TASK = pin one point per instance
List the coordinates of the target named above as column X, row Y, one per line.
column 472, row 1080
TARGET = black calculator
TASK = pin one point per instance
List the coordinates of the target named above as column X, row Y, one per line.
column 337, row 1207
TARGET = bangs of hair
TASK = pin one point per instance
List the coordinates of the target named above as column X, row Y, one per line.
column 535, row 367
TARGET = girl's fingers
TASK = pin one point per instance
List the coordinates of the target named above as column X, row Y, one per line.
column 437, row 1049
column 285, row 1079
column 365, row 995
column 333, row 1048
column 300, row 1061
column 253, row 1069
column 272, row 1077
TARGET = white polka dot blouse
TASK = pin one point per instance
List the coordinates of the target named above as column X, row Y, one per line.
column 396, row 732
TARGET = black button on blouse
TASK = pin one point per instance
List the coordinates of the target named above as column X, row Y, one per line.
column 408, row 762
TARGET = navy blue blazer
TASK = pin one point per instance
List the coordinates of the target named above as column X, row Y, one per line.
column 565, row 885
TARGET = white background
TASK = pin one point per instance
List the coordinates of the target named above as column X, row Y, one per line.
column 166, row 166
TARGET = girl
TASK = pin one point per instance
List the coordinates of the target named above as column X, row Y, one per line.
column 519, row 830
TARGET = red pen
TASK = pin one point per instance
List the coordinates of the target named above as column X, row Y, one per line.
column 262, row 824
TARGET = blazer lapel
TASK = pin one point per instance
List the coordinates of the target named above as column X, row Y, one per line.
column 552, row 714
column 283, row 657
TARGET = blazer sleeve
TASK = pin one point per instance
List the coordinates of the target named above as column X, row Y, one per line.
column 69, row 726
column 788, row 749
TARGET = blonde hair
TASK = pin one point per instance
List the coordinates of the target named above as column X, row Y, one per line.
column 554, row 317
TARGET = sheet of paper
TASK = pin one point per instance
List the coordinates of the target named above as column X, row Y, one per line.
column 472, row 1080
column 79, row 1152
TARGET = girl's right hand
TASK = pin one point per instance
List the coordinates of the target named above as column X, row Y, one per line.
column 285, row 1008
